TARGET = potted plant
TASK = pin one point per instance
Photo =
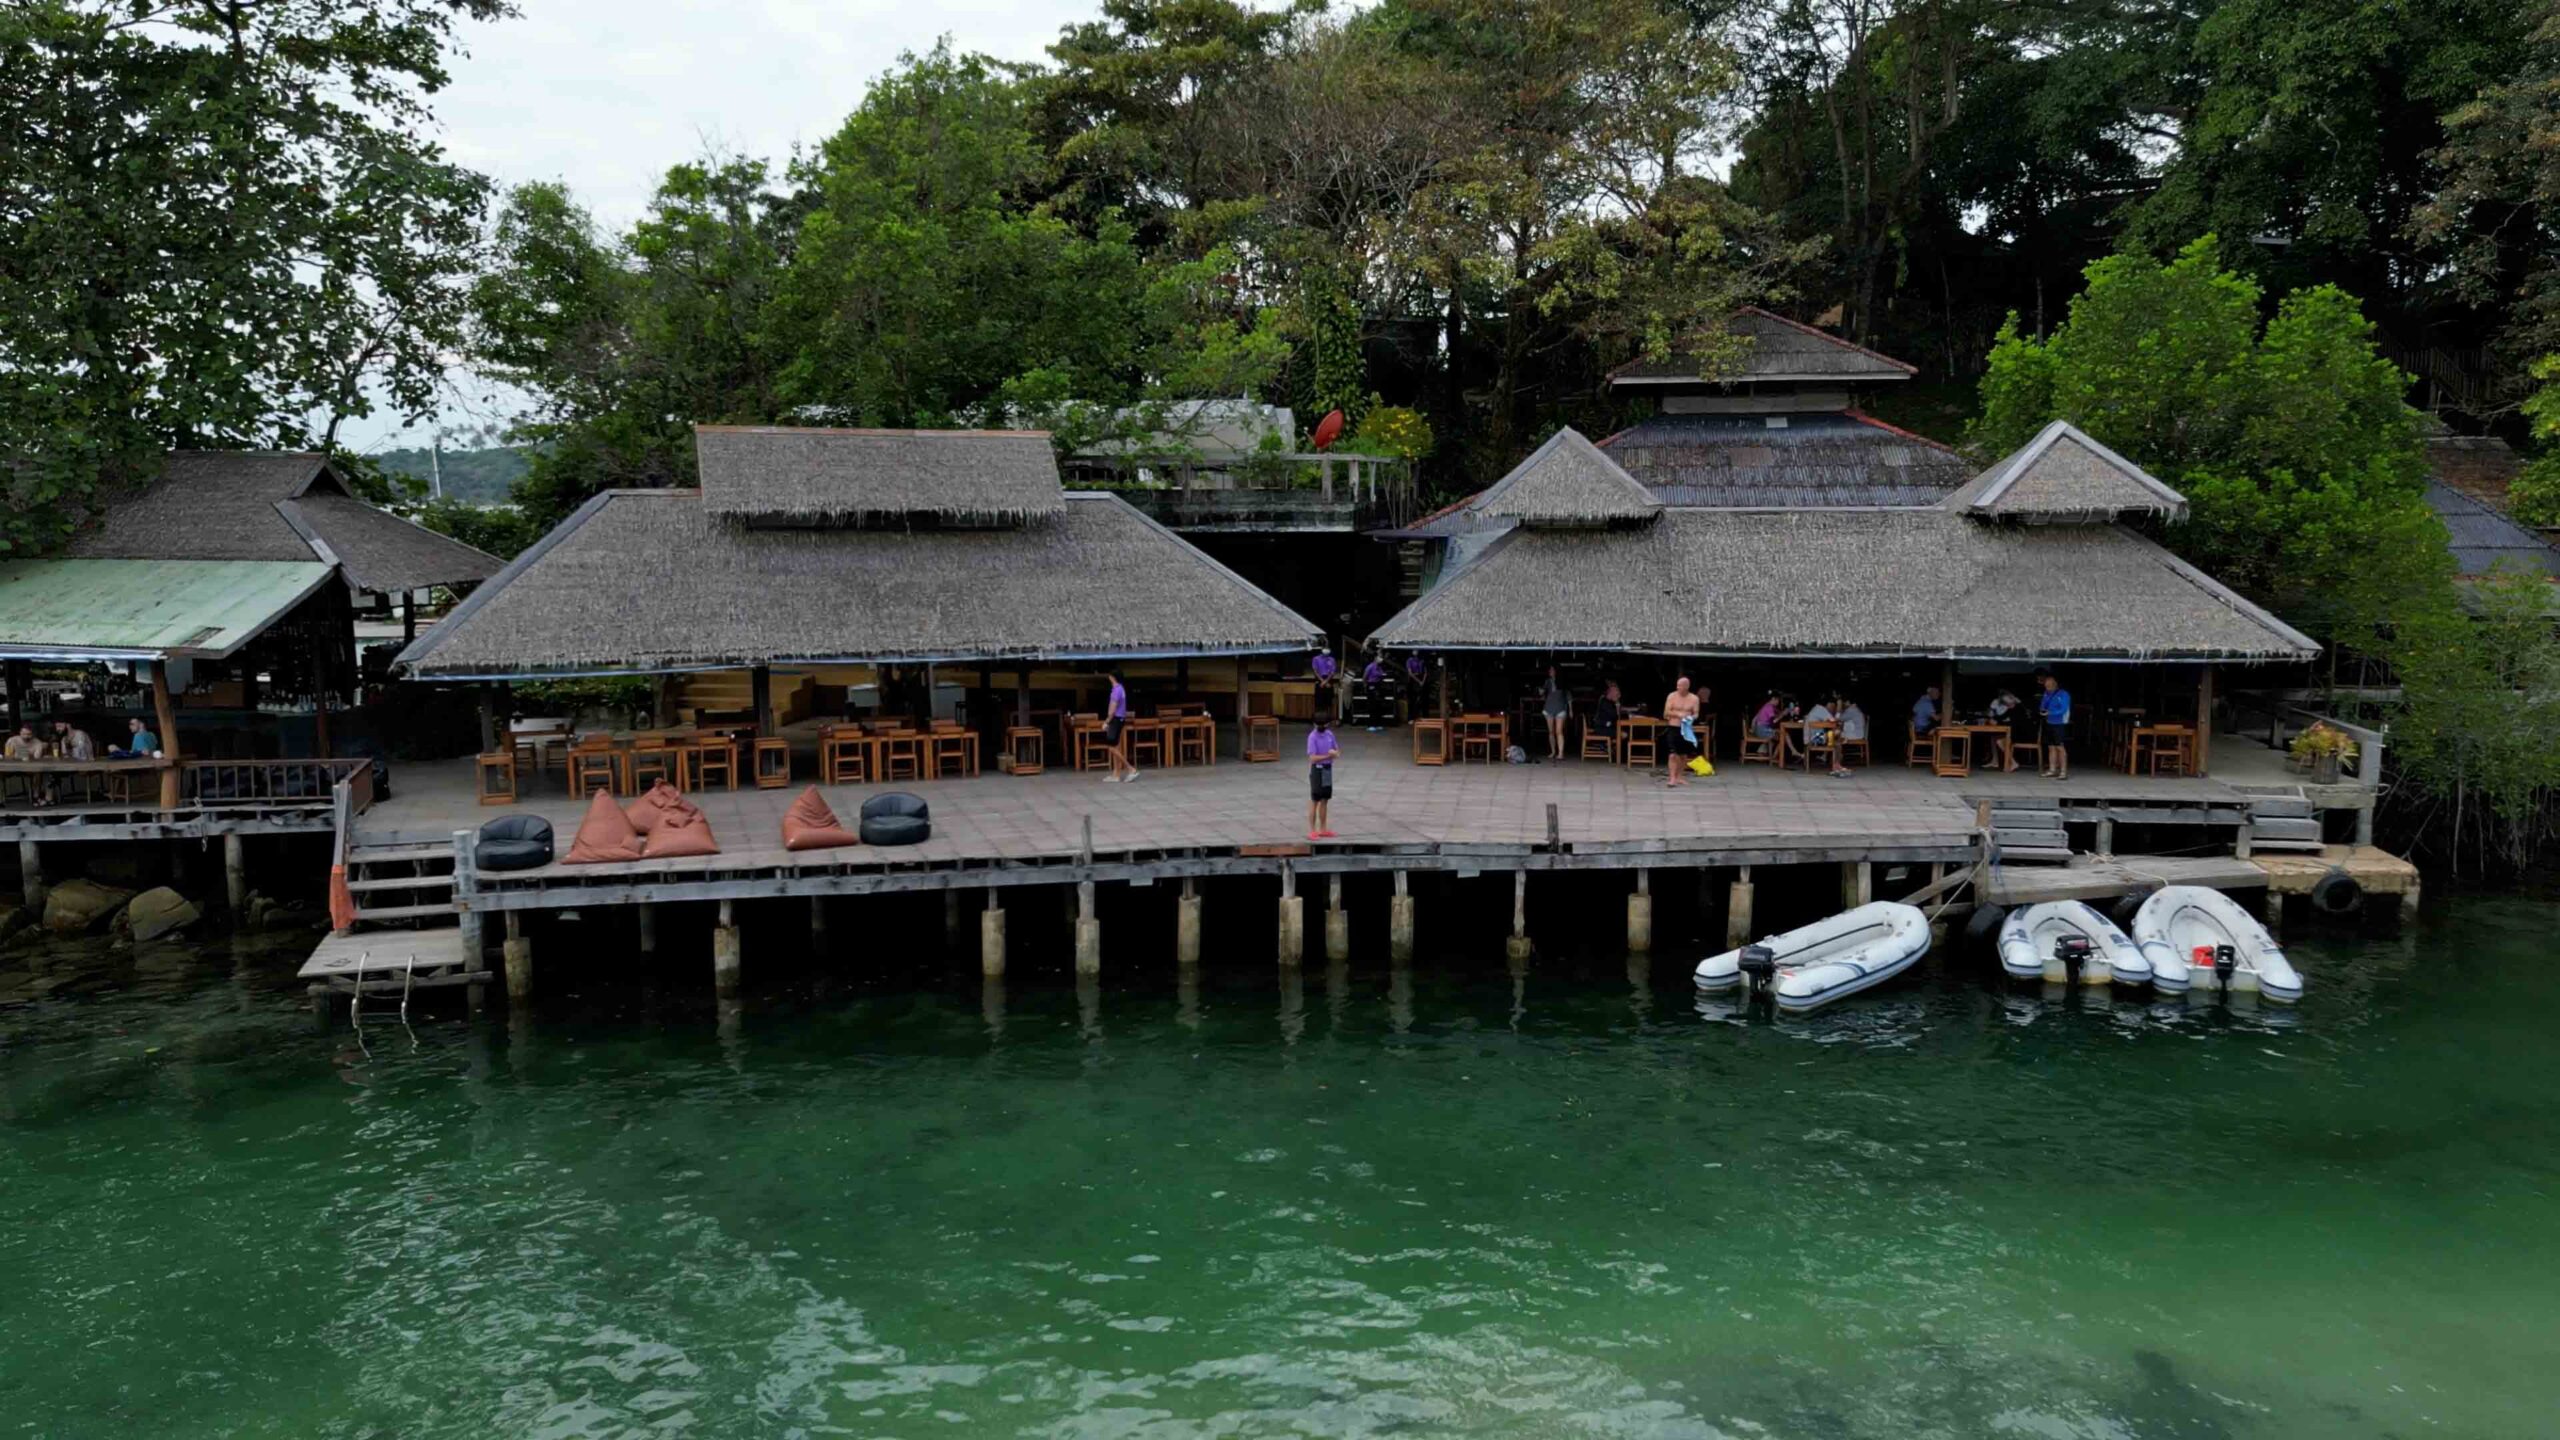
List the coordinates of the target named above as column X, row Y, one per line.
column 2324, row 750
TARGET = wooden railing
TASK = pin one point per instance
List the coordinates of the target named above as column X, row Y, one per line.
column 350, row 797
column 268, row 782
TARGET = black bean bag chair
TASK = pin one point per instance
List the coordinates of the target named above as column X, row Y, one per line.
column 896, row 818
column 513, row 842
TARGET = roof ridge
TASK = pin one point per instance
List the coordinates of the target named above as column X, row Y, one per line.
column 1863, row 418
column 1819, row 333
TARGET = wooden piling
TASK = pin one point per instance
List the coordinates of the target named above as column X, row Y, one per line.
column 817, row 919
column 2107, row 838
column 31, row 877
column 991, row 937
column 1517, row 947
column 951, row 920
column 1186, row 924
column 647, row 914
column 1737, row 913
column 1857, row 884
column 1088, row 931
column 1337, row 922
column 235, row 874
column 1400, row 921
column 1640, row 914
column 1293, row 918
column 475, row 940
column 727, row 954
column 519, row 955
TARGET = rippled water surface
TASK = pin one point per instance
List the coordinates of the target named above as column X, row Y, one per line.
column 1554, row 1204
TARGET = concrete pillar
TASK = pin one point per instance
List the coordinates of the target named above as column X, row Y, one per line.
column 2364, row 825
column 1857, row 884
column 2240, row 841
column 648, row 917
column 235, row 873
column 1640, row 915
column 519, row 953
column 726, row 953
column 1737, row 911
column 1400, row 922
column 1293, row 918
column 991, row 937
column 31, row 876
column 1186, row 924
column 1517, row 947
column 1337, row 922
column 2107, row 838
column 1088, row 931
column 951, row 931
column 2408, row 898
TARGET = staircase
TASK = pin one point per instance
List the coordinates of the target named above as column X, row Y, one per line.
column 2282, row 818
column 405, row 935
column 2029, row 832
column 410, row 886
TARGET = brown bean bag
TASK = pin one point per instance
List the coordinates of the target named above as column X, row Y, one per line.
column 681, row 833
column 652, row 809
column 606, row 834
column 810, row 825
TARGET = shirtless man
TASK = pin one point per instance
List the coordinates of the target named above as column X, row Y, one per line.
column 1677, row 706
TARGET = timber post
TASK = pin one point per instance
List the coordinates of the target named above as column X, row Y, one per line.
column 475, row 942
column 1337, row 921
column 1186, row 924
column 727, row 954
column 1640, row 914
column 951, row 922
column 647, row 914
column 1857, row 884
column 1293, row 918
column 1400, row 921
column 2106, row 837
column 817, row 920
column 1737, row 913
column 235, row 873
column 991, row 937
column 168, row 734
column 1517, row 947
column 519, row 957
column 1088, row 931
column 2204, row 721
column 31, row 878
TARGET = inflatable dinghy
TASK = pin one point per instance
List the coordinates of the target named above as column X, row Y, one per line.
column 2065, row 942
column 1808, row 968
column 2203, row 938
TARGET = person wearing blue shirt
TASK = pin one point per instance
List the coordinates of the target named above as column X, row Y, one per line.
column 2055, row 707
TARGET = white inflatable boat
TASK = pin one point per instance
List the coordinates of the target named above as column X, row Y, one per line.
column 2052, row 941
column 2200, row 938
column 1810, row 967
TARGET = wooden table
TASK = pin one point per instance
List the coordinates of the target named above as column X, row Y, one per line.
column 2159, row 737
column 1493, row 728
column 1970, row 731
column 1640, row 733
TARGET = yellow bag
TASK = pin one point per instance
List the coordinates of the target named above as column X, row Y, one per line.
column 1698, row 766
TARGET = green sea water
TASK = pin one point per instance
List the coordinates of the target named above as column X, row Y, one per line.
column 1561, row 1202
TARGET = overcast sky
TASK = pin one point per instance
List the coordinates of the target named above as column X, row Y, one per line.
column 606, row 94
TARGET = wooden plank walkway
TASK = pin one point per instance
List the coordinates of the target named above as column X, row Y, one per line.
column 387, row 961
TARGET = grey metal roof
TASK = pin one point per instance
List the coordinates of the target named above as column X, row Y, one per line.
column 1814, row 460
column 2483, row 539
column 1779, row 349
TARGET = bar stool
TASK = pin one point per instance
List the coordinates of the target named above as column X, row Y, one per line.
column 653, row 759
column 1262, row 739
column 1430, row 742
column 1028, row 748
column 773, row 763
column 715, row 752
column 498, row 778
column 595, row 765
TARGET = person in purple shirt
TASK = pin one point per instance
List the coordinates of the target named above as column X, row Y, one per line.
column 1325, row 671
column 1115, row 726
column 1322, row 751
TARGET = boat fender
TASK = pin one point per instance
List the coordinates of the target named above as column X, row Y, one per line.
column 2128, row 906
column 2337, row 893
column 2074, row 952
column 1982, row 927
column 1759, row 965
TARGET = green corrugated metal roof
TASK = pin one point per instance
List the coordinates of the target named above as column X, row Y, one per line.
column 140, row 608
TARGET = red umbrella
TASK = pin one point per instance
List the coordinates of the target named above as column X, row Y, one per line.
column 1328, row 430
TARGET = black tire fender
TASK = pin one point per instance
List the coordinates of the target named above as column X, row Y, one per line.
column 1982, row 928
column 2337, row 893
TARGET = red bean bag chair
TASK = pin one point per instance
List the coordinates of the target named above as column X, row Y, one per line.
column 605, row 835
column 680, row 833
column 652, row 809
column 810, row 825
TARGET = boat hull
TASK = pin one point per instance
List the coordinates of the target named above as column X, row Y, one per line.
column 1831, row 959
column 2027, row 946
column 2178, row 920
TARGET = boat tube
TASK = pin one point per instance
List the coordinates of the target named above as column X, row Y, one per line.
column 1810, row 967
column 2054, row 940
column 2204, row 937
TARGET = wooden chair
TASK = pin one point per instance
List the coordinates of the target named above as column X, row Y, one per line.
column 1827, row 747
column 773, row 762
column 1146, row 741
column 1923, row 754
column 1859, row 751
column 1640, row 744
column 715, row 754
column 2173, row 752
column 1191, row 742
column 1089, row 749
column 1261, row 740
column 1476, row 740
column 498, row 778
column 652, row 758
column 845, row 755
column 596, row 765
column 1954, row 761
column 1762, row 748
column 900, row 751
column 1028, row 748
column 951, row 751
column 1598, row 744
column 2028, row 743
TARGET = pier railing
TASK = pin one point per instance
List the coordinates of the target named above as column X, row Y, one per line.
column 350, row 797
column 268, row 782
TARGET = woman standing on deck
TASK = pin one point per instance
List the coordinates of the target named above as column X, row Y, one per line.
column 1555, row 708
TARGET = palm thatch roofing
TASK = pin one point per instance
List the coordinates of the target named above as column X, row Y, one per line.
column 1841, row 458
column 1568, row 484
column 1779, row 349
column 2065, row 477
column 277, row 506
column 642, row 581
column 1840, row 584
column 876, row 479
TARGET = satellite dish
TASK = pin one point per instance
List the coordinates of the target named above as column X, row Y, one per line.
column 1328, row 430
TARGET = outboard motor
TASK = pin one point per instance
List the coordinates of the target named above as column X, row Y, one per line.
column 2074, row 952
column 2226, row 959
column 1759, row 966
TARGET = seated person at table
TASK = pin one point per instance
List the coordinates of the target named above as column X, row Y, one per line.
column 1817, row 724
column 1924, row 712
column 138, row 745
column 1853, row 729
column 1604, row 713
column 1764, row 721
column 73, row 743
column 2004, row 711
column 23, row 746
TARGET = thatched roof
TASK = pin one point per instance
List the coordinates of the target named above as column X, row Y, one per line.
column 1568, row 484
column 1807, row 460
column 876, row 479
column 1841, row 583
column 2064, row 477
column 2484, row 539
column 652, row 580
column 259, row 505
column 1780, row 350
